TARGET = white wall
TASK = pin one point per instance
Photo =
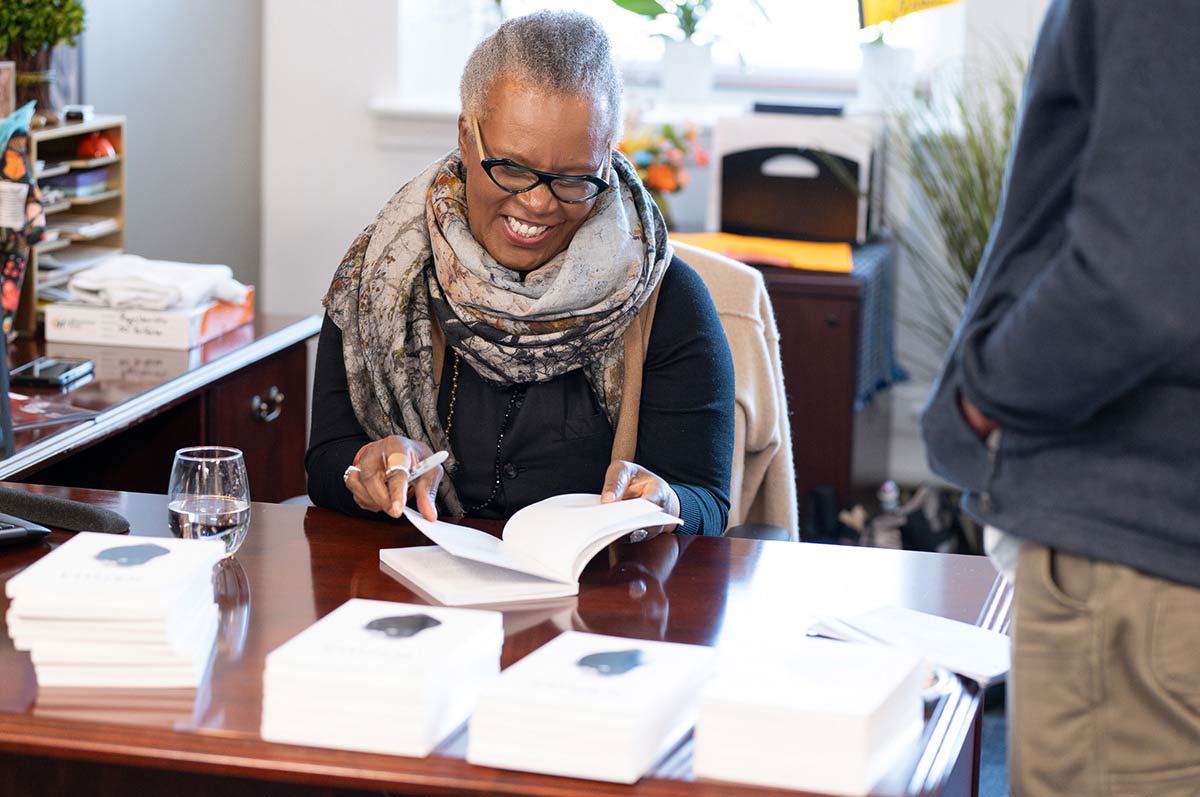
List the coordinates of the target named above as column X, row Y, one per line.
column 186, row 74
column 329, row 163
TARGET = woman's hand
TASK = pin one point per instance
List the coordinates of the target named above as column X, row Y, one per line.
column 629, row 480
column 375, row 490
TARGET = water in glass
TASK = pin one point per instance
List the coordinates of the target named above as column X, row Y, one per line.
column 209, row 495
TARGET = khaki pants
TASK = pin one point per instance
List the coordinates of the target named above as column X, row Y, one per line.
column 1105, row 690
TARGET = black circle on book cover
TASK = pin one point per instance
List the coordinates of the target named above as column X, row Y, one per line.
column 132, row 555
column 613, row 662
column 402, row 626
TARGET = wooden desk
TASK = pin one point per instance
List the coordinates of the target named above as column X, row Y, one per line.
column 300, row 563
column 155, row 401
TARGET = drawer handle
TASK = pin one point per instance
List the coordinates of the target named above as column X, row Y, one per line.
column 268, row 409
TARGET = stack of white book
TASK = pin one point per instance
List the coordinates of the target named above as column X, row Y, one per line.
column 590, row 706
column 108, row 611
column 816, row 715
column 380, row 677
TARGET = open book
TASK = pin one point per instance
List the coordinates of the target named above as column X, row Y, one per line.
column 544, row 548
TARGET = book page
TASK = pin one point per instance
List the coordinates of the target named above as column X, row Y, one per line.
column 563, row 533
column 478, row 546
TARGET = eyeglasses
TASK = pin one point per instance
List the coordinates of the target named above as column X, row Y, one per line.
column 514, row 178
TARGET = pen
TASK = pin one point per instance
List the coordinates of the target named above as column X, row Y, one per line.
column 428, row 464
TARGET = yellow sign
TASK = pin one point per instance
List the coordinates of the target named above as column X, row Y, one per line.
column 872, row 12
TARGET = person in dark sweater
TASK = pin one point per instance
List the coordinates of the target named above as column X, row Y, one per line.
column 1069, row 406
column 518, row 305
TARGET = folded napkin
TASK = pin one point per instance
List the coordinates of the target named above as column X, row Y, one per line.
column 131, row 281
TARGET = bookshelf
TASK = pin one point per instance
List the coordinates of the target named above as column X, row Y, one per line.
column 56, row 146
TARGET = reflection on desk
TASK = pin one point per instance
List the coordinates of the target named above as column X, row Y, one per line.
column 300, row 563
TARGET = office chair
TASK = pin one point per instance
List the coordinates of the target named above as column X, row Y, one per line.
column 763, row 490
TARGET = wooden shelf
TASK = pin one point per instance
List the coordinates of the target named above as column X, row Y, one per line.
column 52, row 171
column 57, row 146
column 94, row 199
column 51, row 246
column 92, row 163
column 92, row 236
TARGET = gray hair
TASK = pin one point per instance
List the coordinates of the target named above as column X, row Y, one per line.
column 561, row 51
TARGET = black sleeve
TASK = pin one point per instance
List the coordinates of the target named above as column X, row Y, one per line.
column 685, row 426
column 336, row 435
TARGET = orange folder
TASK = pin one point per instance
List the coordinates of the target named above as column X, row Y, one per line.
column 808, row 255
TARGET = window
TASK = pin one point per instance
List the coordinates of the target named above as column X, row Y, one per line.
column 800, row 41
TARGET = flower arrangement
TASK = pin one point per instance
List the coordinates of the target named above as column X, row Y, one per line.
column 661, row 154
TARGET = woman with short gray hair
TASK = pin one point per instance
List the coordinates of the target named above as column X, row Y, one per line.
column 518, row 305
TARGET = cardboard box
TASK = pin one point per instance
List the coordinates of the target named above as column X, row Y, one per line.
column 156, row 329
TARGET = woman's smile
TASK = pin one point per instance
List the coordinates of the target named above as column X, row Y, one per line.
column 525, row 233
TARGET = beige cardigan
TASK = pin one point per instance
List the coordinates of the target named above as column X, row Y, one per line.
column 763, row 488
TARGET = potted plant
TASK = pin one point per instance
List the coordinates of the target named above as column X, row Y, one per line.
column 29, row 30
column 951, row 149
column 687, row 64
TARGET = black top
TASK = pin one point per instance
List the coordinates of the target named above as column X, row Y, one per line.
column 558, row 439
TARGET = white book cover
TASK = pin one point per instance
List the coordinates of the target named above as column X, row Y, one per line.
column 972, row 652
column 551, row 711
column 103, row 573
column 366, row 639
column 30, row 625
column 810, row 714
column 327, row 692
column 553, row 539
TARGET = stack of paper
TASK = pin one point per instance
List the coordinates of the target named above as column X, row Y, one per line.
column 380, row 677
column 816, row 715
column 972, row 652
column 590, row 706
column 105, row 611
column 172, row 708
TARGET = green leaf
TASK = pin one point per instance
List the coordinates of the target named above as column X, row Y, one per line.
column 646, row 8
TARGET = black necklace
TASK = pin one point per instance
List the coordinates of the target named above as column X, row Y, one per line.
column 516, row 396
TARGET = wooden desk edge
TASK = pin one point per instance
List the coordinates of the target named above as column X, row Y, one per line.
column 126, row 414
column 957, row 713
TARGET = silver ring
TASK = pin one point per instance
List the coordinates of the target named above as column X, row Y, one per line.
column 349, row 470
column 639, row 535
column 393, row 470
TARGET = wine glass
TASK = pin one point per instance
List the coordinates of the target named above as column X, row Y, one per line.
column 209, row 495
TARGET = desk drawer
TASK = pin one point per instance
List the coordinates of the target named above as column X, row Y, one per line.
column 262, row 410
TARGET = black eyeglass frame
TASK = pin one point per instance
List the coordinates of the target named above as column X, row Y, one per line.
column 543, row 178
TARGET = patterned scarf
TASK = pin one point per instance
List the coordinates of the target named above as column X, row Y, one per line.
column 419, row 254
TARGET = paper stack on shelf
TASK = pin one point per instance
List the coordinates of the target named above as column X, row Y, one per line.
column 811, row 714
column 88, row 182
column 380, row 677
column 83, row 226
column 590, row 706
column 104, row 611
